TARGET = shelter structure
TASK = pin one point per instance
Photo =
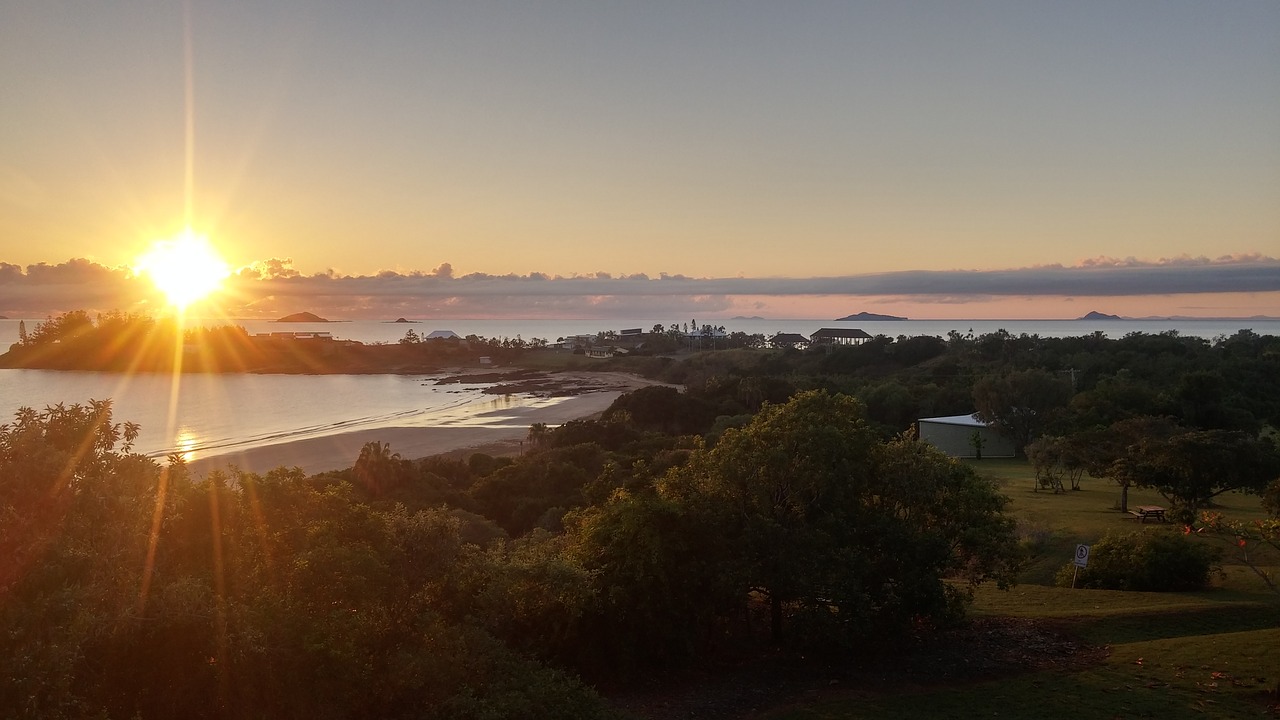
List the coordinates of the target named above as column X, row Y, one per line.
column 962, row 435
column 442, row 335
column 838, row 336
column 788, row 340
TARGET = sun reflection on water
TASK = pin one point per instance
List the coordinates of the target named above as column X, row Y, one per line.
column 185, row 444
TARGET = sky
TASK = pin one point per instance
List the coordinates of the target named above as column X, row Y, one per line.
column 957, row 159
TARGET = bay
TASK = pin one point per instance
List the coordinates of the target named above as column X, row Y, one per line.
column 198, row 415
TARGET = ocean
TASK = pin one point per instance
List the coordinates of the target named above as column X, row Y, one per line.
column 214, row 414
column 372, row 331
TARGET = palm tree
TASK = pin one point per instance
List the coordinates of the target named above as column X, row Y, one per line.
column 377, row 467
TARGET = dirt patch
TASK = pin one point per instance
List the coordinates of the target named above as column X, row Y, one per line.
column 982, row 649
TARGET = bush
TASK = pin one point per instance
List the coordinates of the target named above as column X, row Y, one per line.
column 1161, row 561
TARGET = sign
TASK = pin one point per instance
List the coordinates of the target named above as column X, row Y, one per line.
column 1082, row 556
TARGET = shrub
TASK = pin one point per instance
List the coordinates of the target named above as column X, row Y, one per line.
column 1161, row 561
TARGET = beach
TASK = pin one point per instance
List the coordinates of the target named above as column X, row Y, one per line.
column 578, row 395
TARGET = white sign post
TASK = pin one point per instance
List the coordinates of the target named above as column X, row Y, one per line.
column 1080, row 560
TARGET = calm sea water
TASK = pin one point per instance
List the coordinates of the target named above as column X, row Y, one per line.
column 206, row 415
column 366, row 331
column 373, row 331
column 202, row 415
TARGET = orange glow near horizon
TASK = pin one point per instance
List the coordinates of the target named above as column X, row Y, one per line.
column 185, row 268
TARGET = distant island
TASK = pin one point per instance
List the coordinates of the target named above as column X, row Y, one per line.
column 869, row 317
column 1095, row 315
column 744, row 317
column 402, row 320
column 302, row 317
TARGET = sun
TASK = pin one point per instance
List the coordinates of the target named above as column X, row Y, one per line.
column 185, row 268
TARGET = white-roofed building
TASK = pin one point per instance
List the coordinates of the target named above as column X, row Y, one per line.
column 954, row 435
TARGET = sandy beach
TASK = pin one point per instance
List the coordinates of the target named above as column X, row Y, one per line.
column 581, row 395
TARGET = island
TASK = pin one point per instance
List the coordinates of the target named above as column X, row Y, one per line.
column 302, row 317
column 866, row 316
column 403, row 321
column 1095, row 315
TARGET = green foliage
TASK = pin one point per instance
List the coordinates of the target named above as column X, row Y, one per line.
column 1058, row 458
column 663, row 408
column 516, row 496
column 1157, row 561
column 845, row 536
column 664, row 573
column 1271, row 498
column 1020, row 404
column 131, row 591
column 1191, row 467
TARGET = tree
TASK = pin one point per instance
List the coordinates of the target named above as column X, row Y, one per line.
column 663, row 573
column 977, row 442
column 1188, row 467
column 1057, row 457
column 1249, row 542
column 377, row 468
column 67, row 326
column 844, row 535
column 1191, row 468
column 1113, row 451
column 1021, row 403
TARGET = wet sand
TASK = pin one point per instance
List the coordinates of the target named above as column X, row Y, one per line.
column 584, row 395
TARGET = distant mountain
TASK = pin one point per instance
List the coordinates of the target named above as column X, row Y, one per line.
column 1095, row 315
column 869, row 317
column 302, row 317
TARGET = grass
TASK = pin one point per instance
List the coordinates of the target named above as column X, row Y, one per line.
column 1219, row 675
column 1213, row 654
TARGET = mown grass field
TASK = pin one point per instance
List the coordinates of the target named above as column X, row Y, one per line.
column 1211, row 654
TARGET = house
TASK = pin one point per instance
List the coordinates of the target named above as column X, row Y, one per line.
column 788, row 340
column 442, row 335
column 600, row 351
column 955, row 435
column 838, row 336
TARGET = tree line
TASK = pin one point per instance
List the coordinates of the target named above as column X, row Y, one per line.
column 774, row 503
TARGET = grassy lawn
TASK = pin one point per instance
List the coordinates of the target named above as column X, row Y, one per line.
column 1213, row 654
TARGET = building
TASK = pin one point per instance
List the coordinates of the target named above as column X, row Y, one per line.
column 442, row 335
column 788, row 340
column 954, row 435
column 838, row 336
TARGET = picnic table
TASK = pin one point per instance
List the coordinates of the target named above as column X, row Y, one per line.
column 1143, row 512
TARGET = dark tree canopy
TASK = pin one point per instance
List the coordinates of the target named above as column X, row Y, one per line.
column 1021, row 403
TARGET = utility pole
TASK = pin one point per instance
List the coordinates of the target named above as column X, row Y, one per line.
column 1073, row 378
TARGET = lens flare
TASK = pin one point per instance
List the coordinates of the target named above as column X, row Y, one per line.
column 185, row 268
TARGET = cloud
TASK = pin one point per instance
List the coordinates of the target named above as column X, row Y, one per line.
column 274, row 286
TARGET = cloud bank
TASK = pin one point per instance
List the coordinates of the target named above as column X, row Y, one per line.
column 273, row 286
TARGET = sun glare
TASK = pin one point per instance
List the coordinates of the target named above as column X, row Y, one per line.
column 185, row 268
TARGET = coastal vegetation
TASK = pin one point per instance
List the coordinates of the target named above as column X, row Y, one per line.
column 772, row 528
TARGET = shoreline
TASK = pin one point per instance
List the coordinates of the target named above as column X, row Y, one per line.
column 582, row 395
